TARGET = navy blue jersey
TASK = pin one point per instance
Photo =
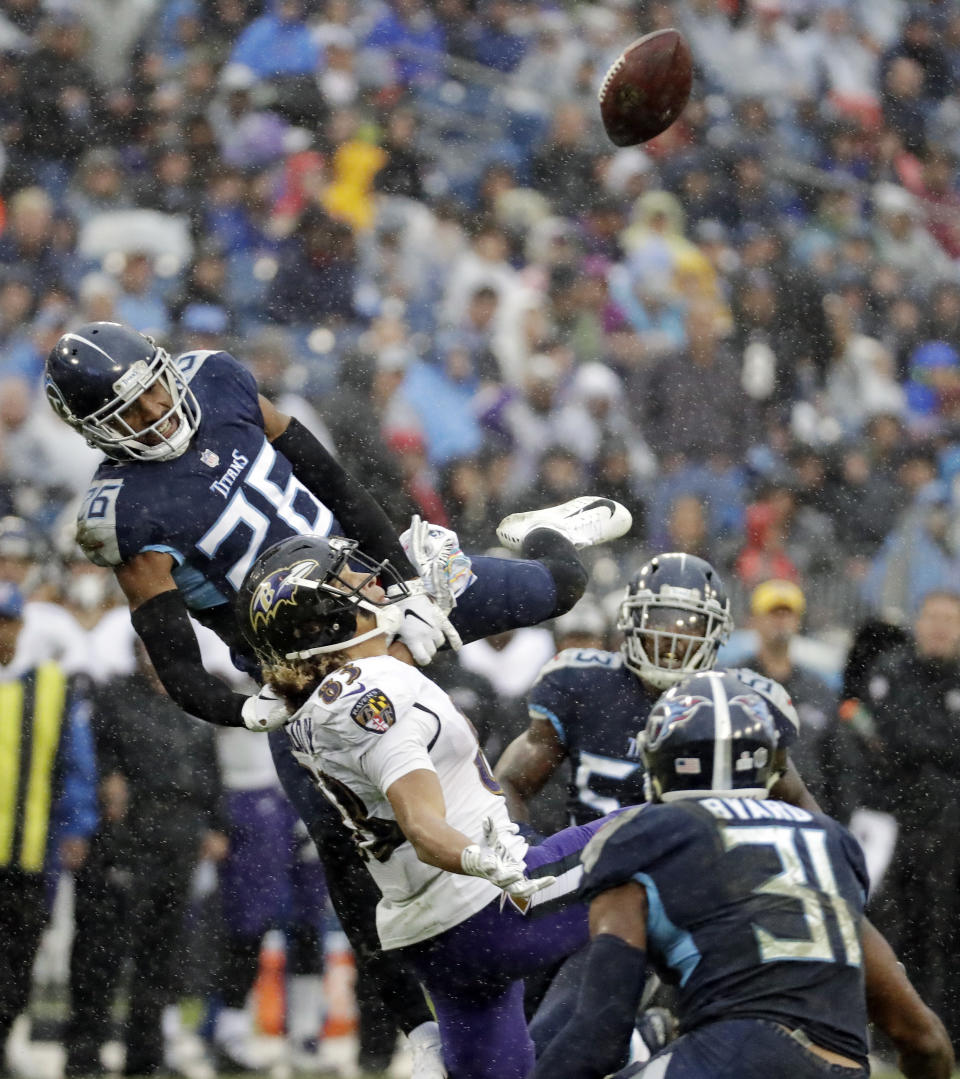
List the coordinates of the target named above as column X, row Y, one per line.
column 597, row 705
column 755, row 910
column 216, row 506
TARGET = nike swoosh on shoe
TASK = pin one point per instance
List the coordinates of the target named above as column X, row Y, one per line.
column 601, row 503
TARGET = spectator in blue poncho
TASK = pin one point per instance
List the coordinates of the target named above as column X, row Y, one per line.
column 440, row 394
column 412, row 38
column 918, row 557
column 934, row 377
column 171, row 36
column 498, row 45
column 278, row 43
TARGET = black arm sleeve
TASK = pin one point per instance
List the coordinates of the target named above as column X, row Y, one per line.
column 355, row 508
column 106, row 731
column 596, row 1039
column 171, row 644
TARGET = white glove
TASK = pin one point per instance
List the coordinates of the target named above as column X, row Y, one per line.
column 264, row 712
column 496, row 864
column 435, row 551
column 423, row 627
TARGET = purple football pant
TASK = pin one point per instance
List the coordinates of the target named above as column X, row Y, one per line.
column 264, row 880
column 473, row 972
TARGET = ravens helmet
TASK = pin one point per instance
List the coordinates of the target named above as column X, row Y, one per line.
column 710, row 734
column 93, row 374
column 301, row 598
column 674, row 616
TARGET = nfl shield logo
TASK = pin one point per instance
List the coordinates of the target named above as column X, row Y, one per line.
column 209, row 458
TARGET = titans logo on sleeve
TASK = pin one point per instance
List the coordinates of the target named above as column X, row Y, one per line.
column 597, row 706
column 214, row 508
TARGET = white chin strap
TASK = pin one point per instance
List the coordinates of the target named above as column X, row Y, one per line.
column 388, row 624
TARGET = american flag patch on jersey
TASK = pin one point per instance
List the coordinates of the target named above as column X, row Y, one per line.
column 374, row 712
column 687, row 766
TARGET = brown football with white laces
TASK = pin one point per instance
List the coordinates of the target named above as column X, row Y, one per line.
column 646, row 88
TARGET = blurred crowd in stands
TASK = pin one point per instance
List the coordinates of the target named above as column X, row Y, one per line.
column 405, row 217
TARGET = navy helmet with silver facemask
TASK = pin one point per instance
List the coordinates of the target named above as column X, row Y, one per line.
column 710, row 735
column 95, row 373
column 26, row 558
column 674, row 617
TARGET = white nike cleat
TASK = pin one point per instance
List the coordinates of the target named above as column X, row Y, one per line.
column 584, row 521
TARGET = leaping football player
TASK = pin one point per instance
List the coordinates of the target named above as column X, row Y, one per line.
column 202, row 474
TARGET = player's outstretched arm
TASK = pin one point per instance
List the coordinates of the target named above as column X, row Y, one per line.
column 358, row 512
column 526, row 765
column 595, row 1040
column 923, row 1046
column 418, row 805
column 424, row 626
column 892, row 1002
column 159, row 616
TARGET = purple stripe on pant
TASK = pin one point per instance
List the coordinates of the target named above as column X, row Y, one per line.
column 264, row 882
column 473, row 972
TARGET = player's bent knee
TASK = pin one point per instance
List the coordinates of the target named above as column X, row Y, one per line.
column 563, row 563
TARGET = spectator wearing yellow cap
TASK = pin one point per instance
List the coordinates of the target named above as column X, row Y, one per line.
column 821, row 754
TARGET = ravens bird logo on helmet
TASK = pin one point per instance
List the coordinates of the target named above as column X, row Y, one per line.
column 278, row 588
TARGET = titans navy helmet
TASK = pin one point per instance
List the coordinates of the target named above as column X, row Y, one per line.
column 674, row 616
column 710, row 734
column 301, row 597
column 94, row 374
column 21, row 541
column 25, row 555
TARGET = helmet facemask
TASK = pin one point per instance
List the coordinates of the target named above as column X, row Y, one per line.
column 329, row 603
column 348, row 597
column 107, row 430
column 671, row 634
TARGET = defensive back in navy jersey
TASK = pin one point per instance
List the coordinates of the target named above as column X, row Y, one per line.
column 754, row 911
column 597, row 705
column 213, row 508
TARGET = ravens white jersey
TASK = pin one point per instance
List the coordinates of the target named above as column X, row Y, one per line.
column 369, row 724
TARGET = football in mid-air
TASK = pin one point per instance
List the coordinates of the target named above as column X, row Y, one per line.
column 646, row 88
